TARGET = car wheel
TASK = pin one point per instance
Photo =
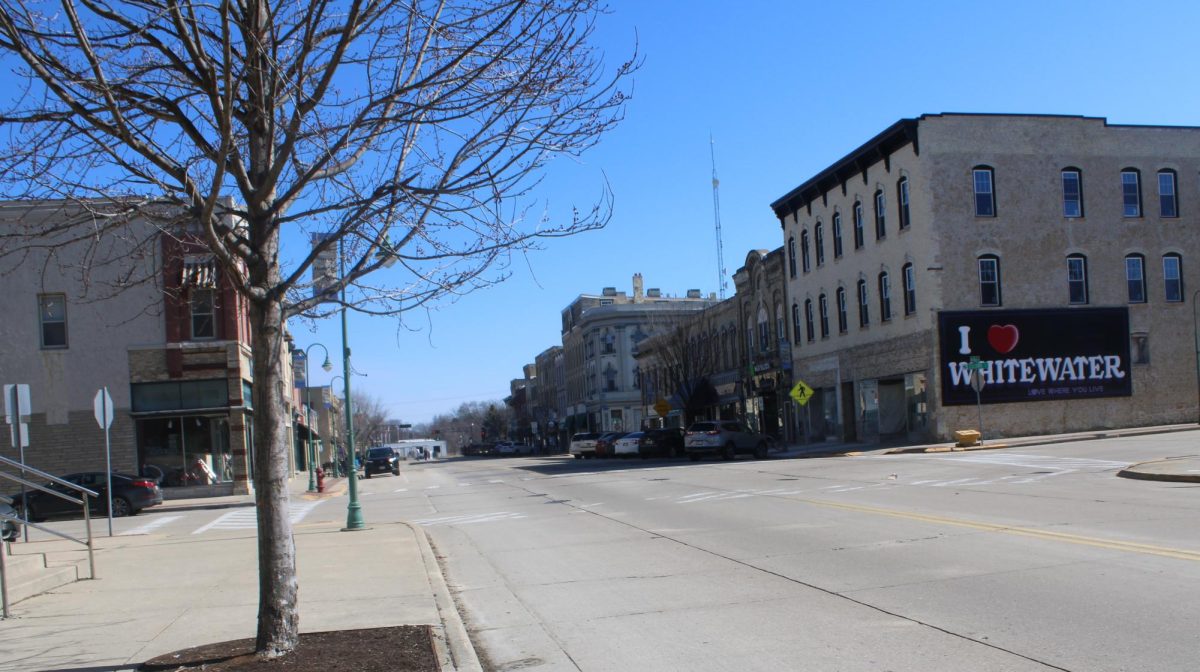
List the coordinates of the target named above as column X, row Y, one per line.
column 121, row 507
column 672, row 453
column 695, row 457
column 730, row 452
column 395, row 472
column 760, row 451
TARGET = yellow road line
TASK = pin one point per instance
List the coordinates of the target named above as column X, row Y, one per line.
column 1129, row 546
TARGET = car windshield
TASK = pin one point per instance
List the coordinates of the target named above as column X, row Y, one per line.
column 703, row 427
column 633, row 435
column 379, row 452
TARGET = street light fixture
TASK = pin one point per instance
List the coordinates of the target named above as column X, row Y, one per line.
column 328, row 366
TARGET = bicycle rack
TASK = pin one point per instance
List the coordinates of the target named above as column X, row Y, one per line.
column 23, row 519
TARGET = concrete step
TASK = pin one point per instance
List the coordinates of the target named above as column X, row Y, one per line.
column 27, row 574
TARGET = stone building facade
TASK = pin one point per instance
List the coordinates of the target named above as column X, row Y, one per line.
column 1050, row 254
column 600, row 334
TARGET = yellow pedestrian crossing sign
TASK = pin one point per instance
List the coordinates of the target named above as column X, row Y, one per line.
column 801, row 392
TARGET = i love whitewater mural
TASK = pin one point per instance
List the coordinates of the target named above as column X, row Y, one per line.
column 1035, row 355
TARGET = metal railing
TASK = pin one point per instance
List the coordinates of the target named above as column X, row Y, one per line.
column 23, row 519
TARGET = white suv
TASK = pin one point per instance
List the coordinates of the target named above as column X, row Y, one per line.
column 726, row 438
column 583, row 445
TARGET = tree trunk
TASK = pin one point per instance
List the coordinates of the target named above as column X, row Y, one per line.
column 278, row 606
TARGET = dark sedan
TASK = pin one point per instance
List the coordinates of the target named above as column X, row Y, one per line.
column 130, row 495
column 661, row 443
column 381, row 460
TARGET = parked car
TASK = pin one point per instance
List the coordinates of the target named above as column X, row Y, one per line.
column 381, row 460
column 726, row 438
column 627, row 446
column 9, row 529
column 583, row 445
column 477, row 449
column 130, row 495
column 666, row 442
column 604, row 444
column 509, row 448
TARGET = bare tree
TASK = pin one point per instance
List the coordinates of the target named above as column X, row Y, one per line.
column 679, row 360
column 384, row 131
column 369, row 418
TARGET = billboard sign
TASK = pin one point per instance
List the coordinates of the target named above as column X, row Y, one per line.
column 1035, row 355
column 325, row 266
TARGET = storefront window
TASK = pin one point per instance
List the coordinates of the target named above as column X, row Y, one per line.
column 186, row 450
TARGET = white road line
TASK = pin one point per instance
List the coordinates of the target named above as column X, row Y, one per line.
column 433, row 487
column 401, row 490
column 470, row 519
column 149, row 527
column 495, row 480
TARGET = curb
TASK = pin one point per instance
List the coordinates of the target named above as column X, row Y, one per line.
column 453, row 645
column 1133, row 472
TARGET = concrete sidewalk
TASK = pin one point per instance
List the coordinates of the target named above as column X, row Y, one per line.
column 1184, row 468
column 160, row 594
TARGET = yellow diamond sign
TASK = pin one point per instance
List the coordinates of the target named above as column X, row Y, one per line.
column 801, row 392
column 662, row 407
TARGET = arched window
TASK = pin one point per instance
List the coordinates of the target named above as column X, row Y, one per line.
column 989, row 280
column 764, row 330
column 841, row 308
column 985, row 191
column 864, row 309
column 837, row 235
column 792, row 256
column 1168, row 201
column 796, row 337
column 1072, row 192
column 819, row 243
column 823, row 306
column 885, row 297
column 902, row 199
column 880, row 215
column 805, row 264
column 1135, row 278
column 809, row 328
column 858, row 225
column 910, row 289
column 1131, row 193
column 1173, row 277
column 1077, row 279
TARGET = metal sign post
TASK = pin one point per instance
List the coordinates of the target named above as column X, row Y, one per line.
column 102, row 408
column 16, row 414
column 977, row 383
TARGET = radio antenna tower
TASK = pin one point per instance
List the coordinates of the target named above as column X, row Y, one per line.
column 716, row 184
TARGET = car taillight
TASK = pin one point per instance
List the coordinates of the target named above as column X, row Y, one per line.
column 141, row 483
column 713, row 432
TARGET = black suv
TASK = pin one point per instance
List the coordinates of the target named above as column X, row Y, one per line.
column 380, row 460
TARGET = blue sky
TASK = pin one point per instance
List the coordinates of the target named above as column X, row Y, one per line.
column 785, row 89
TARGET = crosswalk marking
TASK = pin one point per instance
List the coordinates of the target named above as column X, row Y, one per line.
column 1039, row 461
column 470, row 519
column 246, row 519
column 147, row 528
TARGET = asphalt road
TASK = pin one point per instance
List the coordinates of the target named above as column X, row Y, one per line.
column 1036, row 558
column 1031, row 559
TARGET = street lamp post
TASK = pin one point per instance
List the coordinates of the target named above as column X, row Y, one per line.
column 354, row 517
column 312, row 472
column 338, row 469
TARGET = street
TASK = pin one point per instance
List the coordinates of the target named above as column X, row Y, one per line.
column 1030, row 558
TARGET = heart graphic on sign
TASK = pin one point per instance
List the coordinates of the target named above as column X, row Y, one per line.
column 1003, row 338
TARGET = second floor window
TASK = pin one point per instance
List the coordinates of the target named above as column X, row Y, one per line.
column 1131, row 194
column 885, row 297
column 819, row 243
column 910, row 290
column 841, row 308
column 1173, row 277
column 203, row 305
column 1135, row 278
column 1072, row 188
column 864, row 309
column 985, row 194
column 1168, row 203
column 902, row 197
column 52, row 313
column 792, row 257
column 1077, row 284
column 837, row 235
column 796, row 323
column 809, row 328
column 823, row 304
column 989, row 281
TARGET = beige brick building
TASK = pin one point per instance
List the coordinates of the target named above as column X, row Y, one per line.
column 1056, row 252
